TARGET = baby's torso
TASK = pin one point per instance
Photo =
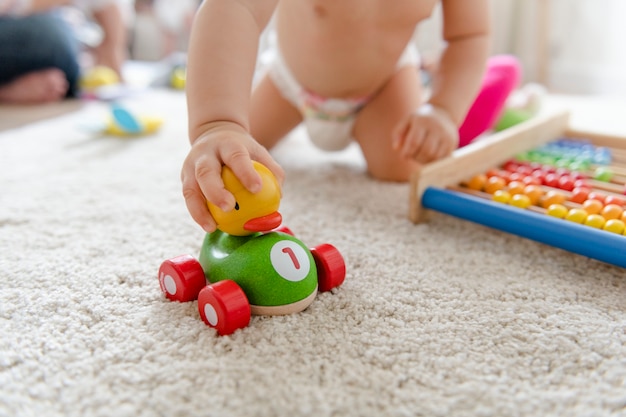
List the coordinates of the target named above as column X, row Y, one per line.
column 346, row 48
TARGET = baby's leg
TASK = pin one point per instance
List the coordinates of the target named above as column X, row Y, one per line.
column 271, row 115
column 375, row 123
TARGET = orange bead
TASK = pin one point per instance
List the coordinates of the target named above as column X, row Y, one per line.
column 552, row 197
column 593, row 206
column 477, row 182
column 612, row 211
column 516, row 187
column 494, row 184
column 534, row 193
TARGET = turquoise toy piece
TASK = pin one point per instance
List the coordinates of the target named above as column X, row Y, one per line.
column 125, row 119
column 250, row 265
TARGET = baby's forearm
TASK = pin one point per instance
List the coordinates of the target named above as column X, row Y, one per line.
column 221, row 61
column 459, row 76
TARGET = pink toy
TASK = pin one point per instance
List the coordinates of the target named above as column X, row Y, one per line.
column 503, row 75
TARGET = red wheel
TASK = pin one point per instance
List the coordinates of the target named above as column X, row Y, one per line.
column 224, row 306
column 181, row 278
column 331, row 268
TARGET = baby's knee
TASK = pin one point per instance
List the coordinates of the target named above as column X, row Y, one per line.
column 392, row 173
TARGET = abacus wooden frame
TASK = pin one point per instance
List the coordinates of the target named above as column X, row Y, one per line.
column 428, row 189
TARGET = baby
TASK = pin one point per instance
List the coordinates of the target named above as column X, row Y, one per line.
column 343, row 67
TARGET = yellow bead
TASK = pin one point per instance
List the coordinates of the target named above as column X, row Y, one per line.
column 614, row 226
column 501, row 196
column 595, row 220
column 520, row 200
column 576, row 215
column 557, row 210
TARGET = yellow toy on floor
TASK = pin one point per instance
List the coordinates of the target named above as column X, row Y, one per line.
column 98, row 76
column 124, row 124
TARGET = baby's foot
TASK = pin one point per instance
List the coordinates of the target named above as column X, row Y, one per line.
column 35, row 87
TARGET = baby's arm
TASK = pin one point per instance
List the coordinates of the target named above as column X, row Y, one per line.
column 466, row 30
column 221, row 63
column 431, row 132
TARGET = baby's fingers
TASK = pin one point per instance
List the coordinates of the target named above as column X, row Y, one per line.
column 264, row 157
column 413, row 141
column 399, row 134
column 208, row 175
column 196, row 204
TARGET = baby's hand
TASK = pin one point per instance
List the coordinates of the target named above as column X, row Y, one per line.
column 228, row 144
column 426, row 135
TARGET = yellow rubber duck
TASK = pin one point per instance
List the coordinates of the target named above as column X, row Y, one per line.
column 253, row 212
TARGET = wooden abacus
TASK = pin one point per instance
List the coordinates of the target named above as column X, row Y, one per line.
column 436, row 187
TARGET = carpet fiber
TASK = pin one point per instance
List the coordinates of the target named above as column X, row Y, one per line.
column 446, row 318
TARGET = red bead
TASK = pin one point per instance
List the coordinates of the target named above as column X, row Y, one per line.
column 566, row 183
column 524, row 170
column 612, row 199
column 531, row 180
column 561, row 171
column 594, row 195
column 580, row 183
column 549, row 169
column 540, row 175
column 511, row 166
column 580, row 194
column 515, row 176
column 494, row 172
column 551, row 180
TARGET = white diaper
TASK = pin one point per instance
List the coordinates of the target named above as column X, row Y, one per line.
column 329, row 121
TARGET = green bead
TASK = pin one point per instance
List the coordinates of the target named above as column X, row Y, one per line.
column 603, row 174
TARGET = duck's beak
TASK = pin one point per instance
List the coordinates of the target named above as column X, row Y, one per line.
column 265, row 223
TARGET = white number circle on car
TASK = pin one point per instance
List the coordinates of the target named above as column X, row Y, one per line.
column 290, row 260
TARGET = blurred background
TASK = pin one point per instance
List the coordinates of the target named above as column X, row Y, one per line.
column 568, row 46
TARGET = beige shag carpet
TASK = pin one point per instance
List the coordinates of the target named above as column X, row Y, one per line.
column 446, row 318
